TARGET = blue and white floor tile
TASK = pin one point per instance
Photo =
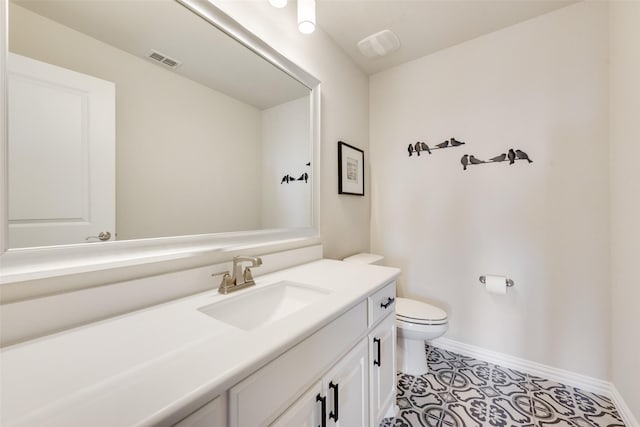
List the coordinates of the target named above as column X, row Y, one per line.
column 462, row 391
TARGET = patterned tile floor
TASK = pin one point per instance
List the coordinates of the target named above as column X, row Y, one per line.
column 463, row 391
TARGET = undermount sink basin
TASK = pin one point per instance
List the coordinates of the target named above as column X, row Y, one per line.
column 262, row 306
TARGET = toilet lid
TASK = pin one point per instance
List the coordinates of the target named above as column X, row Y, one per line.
column 412, row 311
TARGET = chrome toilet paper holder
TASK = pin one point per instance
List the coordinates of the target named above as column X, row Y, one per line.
column 483, row 280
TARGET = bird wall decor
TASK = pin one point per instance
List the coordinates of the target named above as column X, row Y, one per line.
column 511, row 156
column 288, row 178
column 420, row 146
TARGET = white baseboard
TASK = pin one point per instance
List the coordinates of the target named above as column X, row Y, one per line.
column 623, row 409
column 573, row 379
column 584, row 382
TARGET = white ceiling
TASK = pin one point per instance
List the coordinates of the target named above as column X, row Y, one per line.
column 423, row 26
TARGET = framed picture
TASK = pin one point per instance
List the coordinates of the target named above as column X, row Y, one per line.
column 350, row 170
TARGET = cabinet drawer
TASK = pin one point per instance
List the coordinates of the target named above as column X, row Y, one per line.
column 382, row 303
column 258, row 399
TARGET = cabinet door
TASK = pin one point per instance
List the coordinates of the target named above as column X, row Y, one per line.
column 306, row 411
column 346, row 387
column 382, row 368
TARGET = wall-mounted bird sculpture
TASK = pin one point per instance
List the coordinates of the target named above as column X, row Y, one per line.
column 420, row 146
column 521, row 155
column 417, row 148
column 512, row 155
column 304, row 177
column 465, row 161
column 286, row 179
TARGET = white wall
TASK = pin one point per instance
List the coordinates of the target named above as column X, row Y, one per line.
column 625, row 199
column 540, row 86
column 170, row 180
column 344, row 219
column 286, row 150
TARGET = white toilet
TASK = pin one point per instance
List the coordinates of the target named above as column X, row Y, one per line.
column 416, row 323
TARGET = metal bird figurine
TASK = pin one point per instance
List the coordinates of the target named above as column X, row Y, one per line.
column 286, row 179
column 523, row 156
column 475, row 161
column 500, row 158
column 309, row 164
column 418, row 148
column 465, row 161
column 425, row 147
column 455, row 142
column 304, row 177
column 512, row 156
column 410, row 148
column 443, row 144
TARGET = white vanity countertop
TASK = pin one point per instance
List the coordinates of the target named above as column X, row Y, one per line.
column 139, row 368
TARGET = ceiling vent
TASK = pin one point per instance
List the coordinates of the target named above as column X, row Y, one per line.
column 163, row 59
column 379, row 44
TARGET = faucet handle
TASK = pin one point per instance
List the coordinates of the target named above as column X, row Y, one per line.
column 225, row 283
column 247, row 275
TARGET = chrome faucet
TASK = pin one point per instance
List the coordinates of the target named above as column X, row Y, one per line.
column 239, row 279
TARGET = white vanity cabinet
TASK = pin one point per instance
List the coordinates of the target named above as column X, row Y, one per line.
column 341, row 398
column 343, row 375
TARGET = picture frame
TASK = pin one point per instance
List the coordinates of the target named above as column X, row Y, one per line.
column 350, row 170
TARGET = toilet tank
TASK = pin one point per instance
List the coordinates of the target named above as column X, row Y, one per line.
column 365, row 258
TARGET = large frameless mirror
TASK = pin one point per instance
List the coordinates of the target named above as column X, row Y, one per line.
column 140, row 119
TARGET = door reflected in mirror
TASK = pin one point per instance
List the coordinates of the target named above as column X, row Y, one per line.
column 139, row 119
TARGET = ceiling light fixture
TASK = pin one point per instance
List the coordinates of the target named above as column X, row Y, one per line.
column 278, row 3
column 306, row 16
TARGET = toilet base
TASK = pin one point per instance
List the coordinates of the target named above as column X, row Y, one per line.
column 411, row 356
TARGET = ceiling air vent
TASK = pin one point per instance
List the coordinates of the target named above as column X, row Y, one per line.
column 379, row 44
column 163, row 59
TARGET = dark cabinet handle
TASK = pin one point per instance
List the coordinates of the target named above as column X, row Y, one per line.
column 376, row 342
column 334, row 414
column 323, row 410
column 386, row 305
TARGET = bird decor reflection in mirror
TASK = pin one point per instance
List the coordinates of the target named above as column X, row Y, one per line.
column 419, row 146
column 304, row 177
column 511, row 156
column 350, row 170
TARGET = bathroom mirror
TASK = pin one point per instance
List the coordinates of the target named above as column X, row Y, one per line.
column 136, row 120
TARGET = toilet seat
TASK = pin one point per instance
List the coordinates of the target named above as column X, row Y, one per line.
column 414, row 312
